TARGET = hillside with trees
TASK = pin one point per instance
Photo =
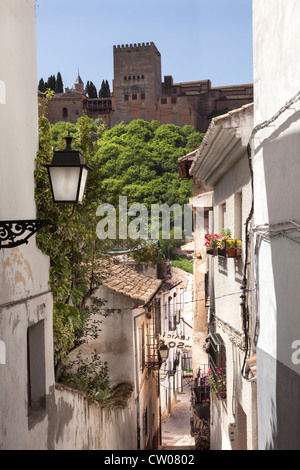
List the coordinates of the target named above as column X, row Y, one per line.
column 139, row 161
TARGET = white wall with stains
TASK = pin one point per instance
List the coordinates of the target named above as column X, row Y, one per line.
column 25, row 299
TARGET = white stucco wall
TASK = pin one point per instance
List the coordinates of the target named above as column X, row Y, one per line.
column 92, row 426
column 237, row 408
column 228, row 273
column 115, row 340
column 276, row 188
column 24, row 292
column 275, row 44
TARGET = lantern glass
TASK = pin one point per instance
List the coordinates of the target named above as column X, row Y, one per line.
column 65, row 181
column 84, row 175
column 163, row 352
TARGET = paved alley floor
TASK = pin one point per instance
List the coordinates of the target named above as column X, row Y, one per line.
column 176, row 431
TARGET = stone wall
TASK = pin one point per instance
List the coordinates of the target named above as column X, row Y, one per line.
column 82, row 425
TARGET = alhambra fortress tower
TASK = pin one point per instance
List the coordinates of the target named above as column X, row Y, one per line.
column 139, row 93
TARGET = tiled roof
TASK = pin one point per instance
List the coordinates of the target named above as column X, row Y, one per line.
column 178, row 276
column 126, row 281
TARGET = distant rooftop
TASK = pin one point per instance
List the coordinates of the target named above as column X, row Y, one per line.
column 126, row 281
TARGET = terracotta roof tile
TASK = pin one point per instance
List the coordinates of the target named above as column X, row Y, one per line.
column 126, row 281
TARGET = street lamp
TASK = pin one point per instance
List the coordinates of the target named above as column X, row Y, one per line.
column 68, row 175
column 163, row 352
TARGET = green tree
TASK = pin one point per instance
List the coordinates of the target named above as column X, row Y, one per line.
column 104, row 91
column 138, row 160
column 74, row 249
column 59, row 87
column 42, row 86
column 51, row 83
column 91, row 90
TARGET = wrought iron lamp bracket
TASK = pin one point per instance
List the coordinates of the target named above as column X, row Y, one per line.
column 17, row 232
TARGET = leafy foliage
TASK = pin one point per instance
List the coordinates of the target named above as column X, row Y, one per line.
column 74, row 248
column 91, row 90
column 183, row 263
column 139, row 161
column 89, row 376
column 53, row 83
column 104, row 91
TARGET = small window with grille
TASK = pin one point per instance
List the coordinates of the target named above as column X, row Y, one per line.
column 217, row 362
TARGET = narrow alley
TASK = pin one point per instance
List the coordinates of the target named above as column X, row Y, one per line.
column 176, row 431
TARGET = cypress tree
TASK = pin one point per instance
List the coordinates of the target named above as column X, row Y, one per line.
column 107, row 89
column 91, row 90
column 51, row 82
column 88, row 88
column 42, row 86
column 59, row 87
column 104, row 90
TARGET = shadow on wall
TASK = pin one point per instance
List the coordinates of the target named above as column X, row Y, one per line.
column 279, row 384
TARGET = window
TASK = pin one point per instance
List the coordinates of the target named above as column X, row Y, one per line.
column 126, row 97
column 173, row 100
column 36, row 371
column 142, row 347
column 238, row 221
column 206, row 281
column 176, row 310
column 134, row 96
column 174, row 91
column 217, row 362
column 222, row 216
column 65, row 113
column 171, row 316
column 143, row 96
column 187, row 363
column 125, row 78
column 163, row 100
column 145, row 426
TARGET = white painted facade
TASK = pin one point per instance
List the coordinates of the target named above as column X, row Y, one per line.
column 222, row 163
column 25, row 299
column 177, row 333
column 276, row 165
column 126, row 341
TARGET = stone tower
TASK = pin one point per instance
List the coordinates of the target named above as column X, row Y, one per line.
column 137, row 82
column 78, row 85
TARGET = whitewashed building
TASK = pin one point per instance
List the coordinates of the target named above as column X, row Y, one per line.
column 128, row 342
column 275, row 144
column 26, row 351
column 222, row 164
column 176, row 333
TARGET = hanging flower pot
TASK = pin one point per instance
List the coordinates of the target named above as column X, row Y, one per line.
column 230, row 248
column 212, row 241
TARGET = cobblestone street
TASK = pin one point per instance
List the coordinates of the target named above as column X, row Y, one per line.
column 176, row 431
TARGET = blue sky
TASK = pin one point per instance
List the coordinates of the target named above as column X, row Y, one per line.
column 197, row 39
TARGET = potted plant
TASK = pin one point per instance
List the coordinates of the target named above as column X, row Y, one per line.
column 228, row 247
column 221, row 384
column 208, row 381
column 211, row 243
column 217, row 386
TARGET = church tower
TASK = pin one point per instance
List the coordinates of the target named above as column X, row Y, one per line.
column 78, row 85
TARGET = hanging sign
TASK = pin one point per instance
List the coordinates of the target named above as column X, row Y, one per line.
column 176, row 341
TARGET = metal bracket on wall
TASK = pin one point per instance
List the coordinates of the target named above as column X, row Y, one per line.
column 17, row 232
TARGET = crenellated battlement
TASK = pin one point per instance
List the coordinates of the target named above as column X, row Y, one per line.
column 135, row 46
